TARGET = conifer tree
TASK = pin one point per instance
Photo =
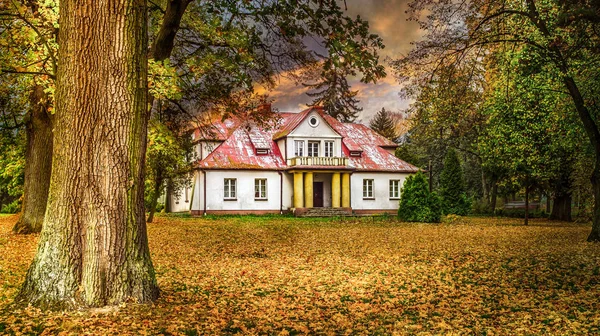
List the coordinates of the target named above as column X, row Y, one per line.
column 333, row 92
column 452, row 186
column 383, row 124
column 417, row 204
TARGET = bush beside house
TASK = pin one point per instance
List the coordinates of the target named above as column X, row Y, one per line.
column 417, row 204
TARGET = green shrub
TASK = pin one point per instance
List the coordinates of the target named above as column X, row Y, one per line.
column 11, row 208
column 417, row 204
column 481, row 207
column 452, row 187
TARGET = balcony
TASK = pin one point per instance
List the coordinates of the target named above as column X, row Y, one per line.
column 319, row 161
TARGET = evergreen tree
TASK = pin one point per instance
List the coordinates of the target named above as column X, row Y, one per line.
column 452, row 186
column 383, row 124
column 417, row 204
column 334, row 94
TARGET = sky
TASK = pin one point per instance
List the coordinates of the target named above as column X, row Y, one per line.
column 387, row 18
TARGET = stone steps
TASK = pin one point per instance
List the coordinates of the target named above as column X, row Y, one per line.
column 326, row 212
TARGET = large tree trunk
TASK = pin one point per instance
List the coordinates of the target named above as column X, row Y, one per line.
column 38, row 167
column 562, row 208
column 93, row 248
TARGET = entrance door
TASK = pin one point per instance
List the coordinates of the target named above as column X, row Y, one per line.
column 318, row 194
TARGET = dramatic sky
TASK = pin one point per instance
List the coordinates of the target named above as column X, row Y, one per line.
column 386, row 18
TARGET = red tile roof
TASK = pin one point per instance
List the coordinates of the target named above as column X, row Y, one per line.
column 238, row 151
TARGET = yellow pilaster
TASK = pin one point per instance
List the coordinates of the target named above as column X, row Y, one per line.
column 298, row 191
column 308, row 190
column 345, row 190
column 335, row 190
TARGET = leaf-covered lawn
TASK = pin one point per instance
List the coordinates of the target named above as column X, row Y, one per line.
column 286, row 275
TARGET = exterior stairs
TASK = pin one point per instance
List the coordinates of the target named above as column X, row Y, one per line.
column 325, row 212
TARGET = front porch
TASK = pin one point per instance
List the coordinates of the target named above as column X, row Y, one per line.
column 325, row 190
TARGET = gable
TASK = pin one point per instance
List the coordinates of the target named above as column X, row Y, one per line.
column 314, row 125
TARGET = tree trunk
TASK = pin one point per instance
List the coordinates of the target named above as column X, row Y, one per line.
column 562, row 208
column 494, row 196
column 484, row 188
column 527, row 205
column 93, row 248
column 547, row 203
column 155, row 195
column 38, row 167
column 595, row 234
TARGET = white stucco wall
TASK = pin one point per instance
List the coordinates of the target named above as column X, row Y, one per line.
column 321, row 132
column 244, row 189
column 381, row 186
column 181, row 201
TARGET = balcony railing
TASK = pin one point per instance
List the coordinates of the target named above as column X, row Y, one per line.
column 318, row 161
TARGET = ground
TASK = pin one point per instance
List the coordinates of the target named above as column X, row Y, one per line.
column 280, row 275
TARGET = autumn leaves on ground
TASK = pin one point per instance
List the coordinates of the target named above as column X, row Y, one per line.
column 355, row 276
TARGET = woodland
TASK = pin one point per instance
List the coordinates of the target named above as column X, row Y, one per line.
column 96, row 103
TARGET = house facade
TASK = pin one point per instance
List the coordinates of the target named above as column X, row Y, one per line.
column 302, row 162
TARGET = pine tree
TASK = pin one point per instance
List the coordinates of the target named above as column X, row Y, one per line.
column 452, row 186
column 417, row 204
column 334, row 94
column 383, row 124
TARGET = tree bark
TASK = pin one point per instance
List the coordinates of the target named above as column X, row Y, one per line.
column 38, row 167
column 562, row 208
column 93, row 248
column 158, row 183
column 494, row 196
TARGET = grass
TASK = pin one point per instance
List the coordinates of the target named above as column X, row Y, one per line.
column 371, row 275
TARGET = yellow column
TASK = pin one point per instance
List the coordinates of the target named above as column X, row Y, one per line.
column 308, row 190
column 335, row 190
column 345, row 190
column 298, row 191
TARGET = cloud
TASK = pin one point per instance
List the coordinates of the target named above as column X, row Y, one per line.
column 387, row 18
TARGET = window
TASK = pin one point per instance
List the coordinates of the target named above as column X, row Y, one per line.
column 262, row 151
column 260, row 189
column 313, row 148
column 368, row 189
column 298, row 148
column 229, row 189
column 394, row 189
column 355, row 153
column 313, row 121
column 329, row 148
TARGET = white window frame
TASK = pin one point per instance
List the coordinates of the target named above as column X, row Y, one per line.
column 368, row 189
column 394, row 189
column 230, row 189
column 312, row 150
column 298, row 148
column 260, row 189
column 329, row 146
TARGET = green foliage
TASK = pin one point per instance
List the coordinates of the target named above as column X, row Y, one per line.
column 417, row 204
column 452, row 187
column 11, row 208
column 411, row 153
column 168, row 160
column 12, row 171
column 383, row 124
